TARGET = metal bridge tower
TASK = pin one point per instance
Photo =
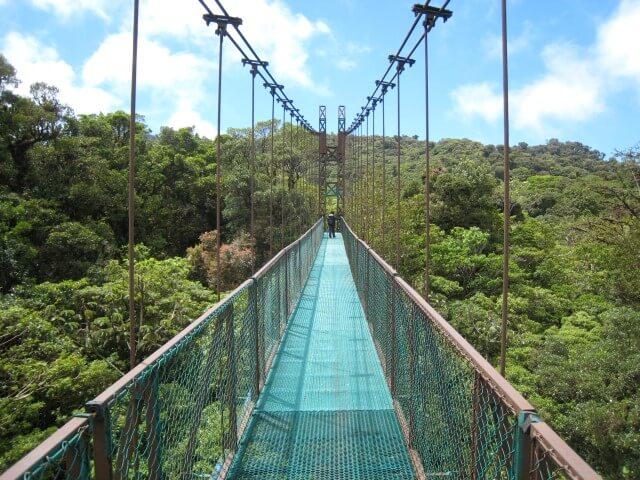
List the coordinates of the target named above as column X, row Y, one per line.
column 331, row 161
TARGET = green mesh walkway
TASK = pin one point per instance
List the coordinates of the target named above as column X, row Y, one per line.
column 325, row 411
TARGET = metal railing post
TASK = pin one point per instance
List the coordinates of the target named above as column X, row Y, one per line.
column 367, row 294
column 286, row 287
column 392, row 374
column 100, row 426
column 232, row 434
column 357, row 263
column 523, row 446
column 253, row 298
column 213, row 354
column 78, row 461
column 281, row 261
column 153, row 427
column 475, row 394
column 411, row 338
column 300, row 265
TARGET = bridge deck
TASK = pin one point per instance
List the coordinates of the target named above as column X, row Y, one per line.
column 326, row 410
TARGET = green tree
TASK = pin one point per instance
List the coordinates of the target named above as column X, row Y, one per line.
column 463, row 197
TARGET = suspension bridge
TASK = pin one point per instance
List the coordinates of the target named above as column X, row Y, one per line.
column 325, row 363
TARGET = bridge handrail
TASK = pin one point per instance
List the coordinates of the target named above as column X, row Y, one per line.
column 182, row 336
column 537, row 451
column 39, row 461
column 514, row 398
column 83, row 448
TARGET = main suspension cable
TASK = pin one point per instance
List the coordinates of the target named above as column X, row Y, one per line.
column 267, row 76
column 419, row 11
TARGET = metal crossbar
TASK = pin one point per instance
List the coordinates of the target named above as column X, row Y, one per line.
column 180, row 412
column 461, row 419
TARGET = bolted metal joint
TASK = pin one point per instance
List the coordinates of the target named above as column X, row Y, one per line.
column 429, row 23
column 221, row 21
column 210, row 18
column 273, row 87
column 255, row 64
column 401, row 62
column 432, row 13
column 385, row 86
column 96, row 409
column 527, row 418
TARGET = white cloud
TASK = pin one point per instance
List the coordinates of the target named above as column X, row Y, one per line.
column 575, row 82
column 177, row 55
column 186, row 116
column 173, row 19
column 36, row 62
column 104, row 83
column 175, row 79
column 478, row 100
column 618, row 45
column 281, row 37
column 158, row 67
column 345, row 64
column 517, row 43
column 354, row 48
column 66, row 8
column 346, row 54
column 278, row 35
column 571, row 90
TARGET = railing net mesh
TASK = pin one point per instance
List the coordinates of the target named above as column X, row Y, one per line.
column 181, row 416
column 325, row 411
column 183, row 412
column 455, row 421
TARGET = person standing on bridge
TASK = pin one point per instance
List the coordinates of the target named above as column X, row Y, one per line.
column 331, row 221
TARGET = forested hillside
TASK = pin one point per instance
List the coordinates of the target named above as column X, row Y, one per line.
column 64, row 327
column 574, row 346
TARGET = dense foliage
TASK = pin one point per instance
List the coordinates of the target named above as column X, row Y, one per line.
column 64, row 326
column 574, row 346
column 574, row 331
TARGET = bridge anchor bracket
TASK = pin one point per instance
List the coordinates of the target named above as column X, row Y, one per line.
column 221, row 21
column 523, row 445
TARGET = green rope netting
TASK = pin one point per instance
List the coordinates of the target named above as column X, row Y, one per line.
column 183, row 416
column 322, row 367
column 457, row 423
column 326, row 411
column 69, row 460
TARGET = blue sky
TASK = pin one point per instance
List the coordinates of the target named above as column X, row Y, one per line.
column 575, row 64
